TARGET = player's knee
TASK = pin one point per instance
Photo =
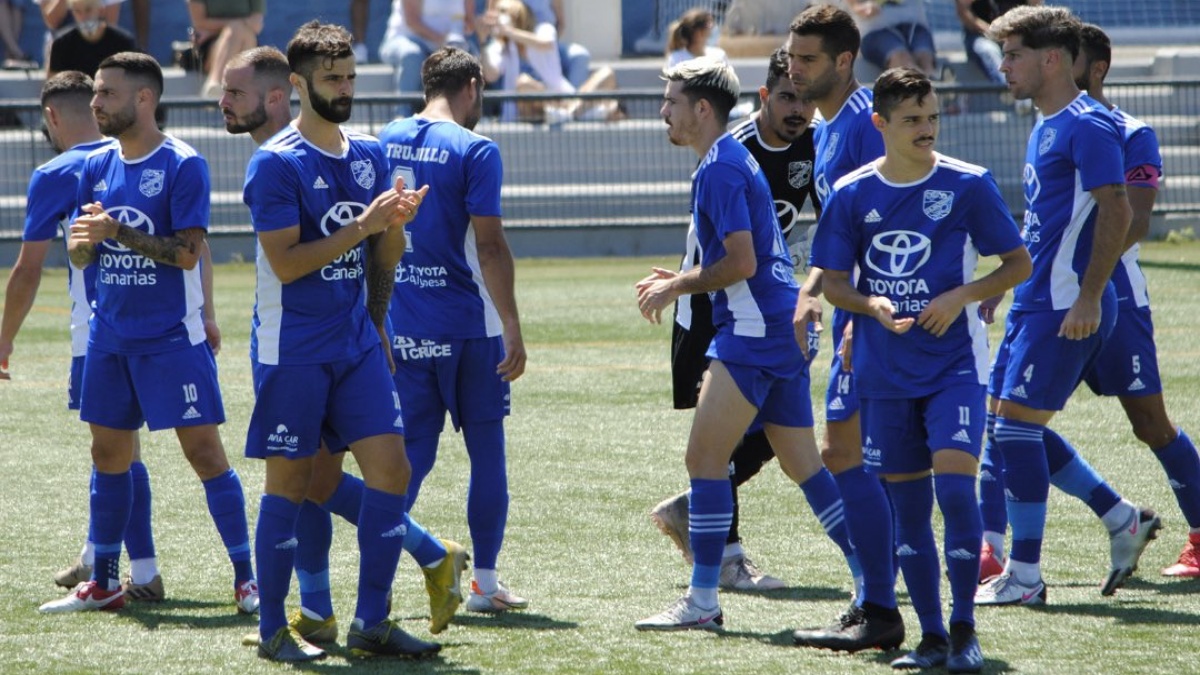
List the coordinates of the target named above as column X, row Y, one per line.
column 207, row 457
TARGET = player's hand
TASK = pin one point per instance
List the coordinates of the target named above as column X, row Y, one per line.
column 410, row 200
column 513, row 365
column 95, row 226
column 655, row 293
column 807, row 318
column 212, row 332
column 941, row 312
column 987, row 308
column 884, row 312
column 1081, row 321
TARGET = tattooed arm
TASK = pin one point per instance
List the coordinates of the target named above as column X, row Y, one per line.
column 181, row 249
column 381, row 279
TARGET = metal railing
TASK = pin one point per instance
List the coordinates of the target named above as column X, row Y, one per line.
column 626, row 173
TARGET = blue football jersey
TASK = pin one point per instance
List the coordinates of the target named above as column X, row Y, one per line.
column 1142, row 161
column 46, row 212
column 440, row 293
column 911, row 243
column 1069, row 154
column 730, row 194
column 322, row 316
column 143, row 306
column 845, row 142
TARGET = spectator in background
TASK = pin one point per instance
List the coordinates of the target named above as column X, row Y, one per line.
column 418, row 28
column 57, row 16
column 12, row 13
column 688, row 36
column 221, row 29
column 91, row 40
column 576, row 59
column 977, row 17
column 360, row 16
column 523, row 56
column 895, row 33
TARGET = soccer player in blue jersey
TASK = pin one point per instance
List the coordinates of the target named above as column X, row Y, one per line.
column 330, row 231
column 780, row 138
column 822, row 45
column 1127, row 366
column 1076, row 219
column 757, row 371
column 143, row 213
column 457, row 344
column 914, row 224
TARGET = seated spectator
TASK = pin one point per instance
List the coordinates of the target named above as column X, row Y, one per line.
column 221, row 29
column 418, row 28
column 91, row 40
column 360, row 16
column 524, row 57
column 57, row 16
column 12, row 14
column 895, row 33
column 976, row 17
column 688, row 36
column 576, row 59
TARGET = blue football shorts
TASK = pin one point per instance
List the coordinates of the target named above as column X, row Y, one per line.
column 456, row 376
column 1128, row 362
column 165, row 391
column 901, row 434
column 296, row 406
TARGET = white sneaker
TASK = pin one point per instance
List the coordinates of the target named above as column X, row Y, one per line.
column 492, row 603
column 360, row 53
column 671, row 517
column 1126, row 548
column 684, row 615
column 246, row 597
column 1006, row 590
column 738, row 572
column 85, row 597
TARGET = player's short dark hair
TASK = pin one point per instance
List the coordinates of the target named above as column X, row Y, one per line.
column 710, row 79
column 69, row 85
column 777, row 68
column 267, row 62
column 834, row 26
column 317, row 42
column 1040, row 27
column 448, row 70
column 897, row 85
column 141, row 67
column 1094, row 44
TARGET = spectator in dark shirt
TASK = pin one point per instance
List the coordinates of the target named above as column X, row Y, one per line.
column 91, row 40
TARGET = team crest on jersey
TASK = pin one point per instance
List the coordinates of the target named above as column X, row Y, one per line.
column 152, row 182
column 831, row 148
column 1047, row 140
column 799, row 173
column 364, row 173
column 937, row 203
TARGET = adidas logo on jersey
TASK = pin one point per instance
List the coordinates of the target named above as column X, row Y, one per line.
column 960, row 554
column 986, row 476
column 397, row 531
column 285, row 545
column 873, row 217
column 836, row 404
column 962, row 436
column 1019, row 391
column 320, row 184
column 191, row 413
column 399, row 422
column 905, row 549
column 1137, row 384
column 100, row 187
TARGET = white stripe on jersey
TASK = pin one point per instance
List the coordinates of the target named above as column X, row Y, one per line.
column 857, row 174
column 81, row 311
column 193, row 296
column 1137, row 279
column 491, row 318
column 747, row 317
column 959, row 165
column 976, row 328
column 268, row 307
column 1064, row 281
column 860, row 100
column 692, row 251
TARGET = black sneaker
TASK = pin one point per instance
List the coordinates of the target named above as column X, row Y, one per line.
column 930, row 653
column 860, row 628
column 965, row 655
column 287, row 646
column 387, row 639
